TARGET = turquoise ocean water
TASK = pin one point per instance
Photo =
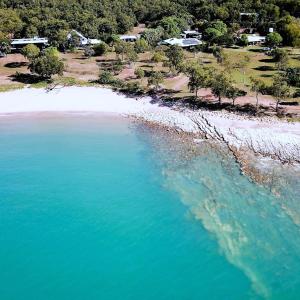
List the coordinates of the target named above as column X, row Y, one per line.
column 100, row 208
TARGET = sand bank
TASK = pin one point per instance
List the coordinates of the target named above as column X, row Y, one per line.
column 267, row 136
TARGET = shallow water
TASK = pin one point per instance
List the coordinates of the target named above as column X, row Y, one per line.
column 100, row 208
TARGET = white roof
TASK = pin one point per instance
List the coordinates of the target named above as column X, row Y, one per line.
column 83, row 40
column 94, row 41
column 191, row 32
column 128, row 37
column 255, row 38
column 35, row 40
column 182, row 42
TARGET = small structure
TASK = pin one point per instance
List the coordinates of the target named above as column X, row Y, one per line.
column 84, row 41
column 188, row 34
column 183, row 43
column 17, row 44
column 129, row 38
column 255, row 39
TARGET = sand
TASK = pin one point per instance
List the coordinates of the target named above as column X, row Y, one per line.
column 265, row 136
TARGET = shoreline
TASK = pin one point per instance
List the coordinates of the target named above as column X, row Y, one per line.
column 266, row 137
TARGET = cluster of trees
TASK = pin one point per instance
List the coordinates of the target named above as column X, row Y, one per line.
column 218, row 20
column 200, row 76
column 43, row 63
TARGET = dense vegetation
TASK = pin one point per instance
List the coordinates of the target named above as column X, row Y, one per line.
column 101, row 18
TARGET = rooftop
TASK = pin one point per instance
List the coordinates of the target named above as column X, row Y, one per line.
column 34, row 40
column 182, row 42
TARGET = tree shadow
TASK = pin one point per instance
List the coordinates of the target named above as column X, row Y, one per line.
column 267, row 60
column 264, row 68
column 27, row 78
column 266, row 75
column 260, row 50
column 194, row 103
column 14, row 65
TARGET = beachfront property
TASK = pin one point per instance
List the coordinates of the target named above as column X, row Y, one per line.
column 129, row 38
column 84, row 41
column 183, row 42
column 18, row 44
column 255, row 39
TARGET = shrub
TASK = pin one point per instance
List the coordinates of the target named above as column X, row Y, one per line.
column 139, row 73
column 88, row 52
column 293, row 76
column 31, row 51
column 46, row 65
column 106, row 77
column 100, row 49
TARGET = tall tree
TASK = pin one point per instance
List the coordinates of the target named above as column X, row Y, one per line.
column 280, row 89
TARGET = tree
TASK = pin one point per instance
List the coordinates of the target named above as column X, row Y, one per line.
column 158, row 56
column 172, row 26
column 198, row 78
column 175, row 56
column 244, row 40
column 292, row 76
column 31, row 51
column 141, row 45
column 233, row 93
column 155, row 79
column 273, row 39
column 139, row 73
column 257, row 86
column 280, row 89
column 121, row 48
column 4, row 44
column 220, row 84
column 215, row 31
column 242, row 64
column 219, row 54
column 74, row 41
column 281, row 58
column 131, row 54
column 153, row 36
column 100, row 49
column 46, row 65
column 106, row 77
column 89, row 52
column 10, row 22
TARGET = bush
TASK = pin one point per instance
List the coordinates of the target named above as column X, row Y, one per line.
column 139, row 73
column 141, row 46
column 133, row 88
column 293, row 76
column 100, row 49
column 88, row 52
column 31, row 51
column 106, row 77
column 47, row 65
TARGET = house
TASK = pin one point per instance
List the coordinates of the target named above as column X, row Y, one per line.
column 17, row 44
column 183, row 43
column 84, row 41
column 187, row 34
column 129, row 38
column 255, row 39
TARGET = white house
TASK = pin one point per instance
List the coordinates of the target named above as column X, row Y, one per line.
column 255, row 39
column 183, row 43
column 20, row 43
column 84, row 41
column 129, row 38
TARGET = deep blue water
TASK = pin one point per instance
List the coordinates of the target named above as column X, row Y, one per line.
column 99, row 208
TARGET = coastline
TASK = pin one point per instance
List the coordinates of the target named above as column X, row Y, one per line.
column 266, row 137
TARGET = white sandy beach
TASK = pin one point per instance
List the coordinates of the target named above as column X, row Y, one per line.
column 267, row 136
